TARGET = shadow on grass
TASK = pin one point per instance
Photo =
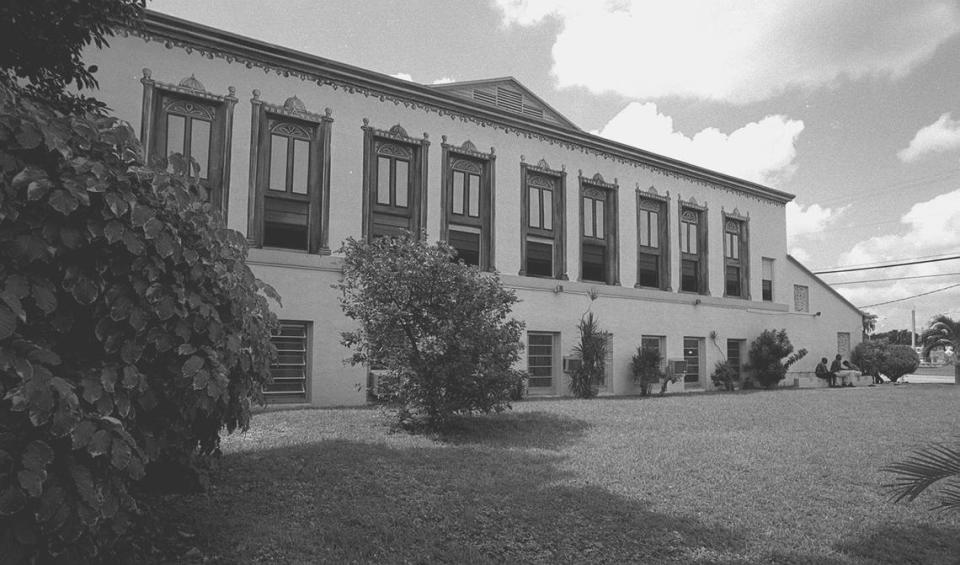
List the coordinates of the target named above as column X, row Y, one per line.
column 345, row 501
column 515, row 429
column 895, row 543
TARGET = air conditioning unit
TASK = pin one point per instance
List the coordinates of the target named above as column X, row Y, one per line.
column 676, row 367
column 572, row 365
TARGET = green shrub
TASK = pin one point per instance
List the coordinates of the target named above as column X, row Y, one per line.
column 868, row 356
column 899, row 360
column 439, row 327
column 131, row 331
column 766, row 356
column 646, row 368
column 725, row 375
column 592, row 350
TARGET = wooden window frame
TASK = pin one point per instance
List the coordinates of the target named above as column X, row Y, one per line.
column 539, row 176
column 652, row 202
column 467, row 159
column 702, row 255
column 158, row 97
column 741, row 259
column 290, row 120
column 556, row 374
column 798, row 290
column 390, row 143
column 595, row 188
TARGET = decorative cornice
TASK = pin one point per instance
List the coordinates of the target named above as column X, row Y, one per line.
column 597, row 181
column 189, row 86
column 652, row 194
column 468, row 149
column 543, row 168
column 214, row 43
column 735, row 215
column 292, row 110
column 692, row 204
column 396, row 133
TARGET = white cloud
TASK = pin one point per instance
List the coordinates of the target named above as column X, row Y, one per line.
column 930, row 228
column 940, row 136
column 403, row 76
column 734, row 50
column 800, row 254
column 809, row 220
column 759, row 151
column 444, row 80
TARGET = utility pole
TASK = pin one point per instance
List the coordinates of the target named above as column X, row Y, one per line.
column 913, row 328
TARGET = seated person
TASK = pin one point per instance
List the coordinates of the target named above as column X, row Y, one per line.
column 844, row 370
column 822, row 372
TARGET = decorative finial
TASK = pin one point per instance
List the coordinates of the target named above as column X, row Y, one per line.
column 192, row 83
column 443, row 139
column 294, row 105
column 147, row 73
column 328, row 112
column 366, row 122
column 256, row 94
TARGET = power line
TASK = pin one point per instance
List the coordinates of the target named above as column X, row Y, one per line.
column 934, row 256
column 910, row 297
column 894, row 279
column 850, row 270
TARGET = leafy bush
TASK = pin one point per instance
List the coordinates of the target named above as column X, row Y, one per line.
column 131, row 331
column 438, row 326
column 767, row 355
column 868, row 356
column 899, row 360
column 725, row 375
column 646, row 368
column 592, row 350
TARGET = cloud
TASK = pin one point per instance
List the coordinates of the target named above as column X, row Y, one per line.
column 759, row 151
column 928, row 229
column 800, row 254
column 733, row 50
column 443, row 80
column 403, row 76
column 940, row 136
column 809, row 220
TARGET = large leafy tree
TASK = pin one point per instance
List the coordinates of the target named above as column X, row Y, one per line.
column 439, row 328
column 41, row 42
column 944, row 331
column 131, row 331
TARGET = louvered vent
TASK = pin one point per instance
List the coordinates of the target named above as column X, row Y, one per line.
column 485, row 96
column 510, row 100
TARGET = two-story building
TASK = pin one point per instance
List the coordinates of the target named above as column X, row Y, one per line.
column 301, row 152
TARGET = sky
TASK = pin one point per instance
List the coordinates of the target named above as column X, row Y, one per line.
column 851, row 105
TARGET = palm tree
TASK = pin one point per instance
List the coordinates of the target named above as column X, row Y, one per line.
column 944, row 331
column 925, row 467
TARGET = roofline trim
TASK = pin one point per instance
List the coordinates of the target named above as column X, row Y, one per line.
column 285, row 61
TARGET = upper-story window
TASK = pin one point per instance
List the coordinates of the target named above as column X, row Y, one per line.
column 767, row 279
column 801, row 298
column 598, row 231
column 653, row 256
column 467, row 203
column 394, row 187
column 736, row 256
column 693, row 249
column 542, row 223
column 290, row 171
column 186, row 121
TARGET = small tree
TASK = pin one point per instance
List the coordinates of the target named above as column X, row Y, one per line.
column 646, row 368
column 439, row 327
column 592, row 351
column 767, row 355
column 899, row 360
column 944, row 331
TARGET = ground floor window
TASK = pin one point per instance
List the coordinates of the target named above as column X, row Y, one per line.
column 735, row 349
column 692, row 349
column 289, row 382
column 541, row 361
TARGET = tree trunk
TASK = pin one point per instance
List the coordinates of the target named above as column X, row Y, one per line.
column 956, row 372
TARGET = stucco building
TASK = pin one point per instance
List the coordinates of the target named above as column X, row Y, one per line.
column 301, row 152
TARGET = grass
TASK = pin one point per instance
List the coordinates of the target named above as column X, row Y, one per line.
column 788, row 476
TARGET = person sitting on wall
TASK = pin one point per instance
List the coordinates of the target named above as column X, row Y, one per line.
column 844, row 370
column 823, row 373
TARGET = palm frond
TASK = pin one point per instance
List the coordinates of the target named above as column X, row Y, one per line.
column 922, row 469
column 949, row 498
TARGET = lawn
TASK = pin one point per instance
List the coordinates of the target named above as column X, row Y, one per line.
column 789, row 476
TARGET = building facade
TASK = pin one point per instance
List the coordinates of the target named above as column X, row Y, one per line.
column 301, row 152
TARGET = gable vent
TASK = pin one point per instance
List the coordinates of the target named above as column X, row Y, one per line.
column 508, row 100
